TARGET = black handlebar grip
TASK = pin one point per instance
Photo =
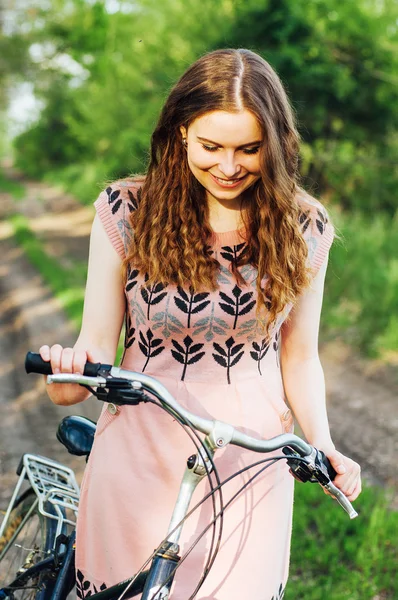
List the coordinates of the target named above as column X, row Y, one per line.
column 332, row 473
column 35, row 364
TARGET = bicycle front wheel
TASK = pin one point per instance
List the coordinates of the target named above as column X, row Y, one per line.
column 27, row 539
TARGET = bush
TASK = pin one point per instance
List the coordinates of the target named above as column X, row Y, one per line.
column 361, row 296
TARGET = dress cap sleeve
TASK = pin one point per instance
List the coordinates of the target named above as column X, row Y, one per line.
column 114, row 206
column 317, row 230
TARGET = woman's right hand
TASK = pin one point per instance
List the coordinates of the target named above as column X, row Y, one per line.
column 67, row 360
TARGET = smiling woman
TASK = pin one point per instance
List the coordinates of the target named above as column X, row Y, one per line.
column 216, row 259
column 230, row 163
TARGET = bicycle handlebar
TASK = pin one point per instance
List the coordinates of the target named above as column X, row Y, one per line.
column 35, row 364
column 97, row 374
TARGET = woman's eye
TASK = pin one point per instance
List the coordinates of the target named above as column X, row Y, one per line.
column 251, row 150
column 245, row 151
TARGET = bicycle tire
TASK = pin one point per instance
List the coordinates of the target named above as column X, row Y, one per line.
column 29, row 536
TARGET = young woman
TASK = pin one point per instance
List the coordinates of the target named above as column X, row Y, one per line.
column 216, row 260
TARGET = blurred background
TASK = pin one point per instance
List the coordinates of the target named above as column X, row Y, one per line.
column 81, row 86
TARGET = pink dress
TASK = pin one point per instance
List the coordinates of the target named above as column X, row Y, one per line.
column 206, row 349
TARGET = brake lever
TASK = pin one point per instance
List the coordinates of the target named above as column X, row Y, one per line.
column 341, row 499
column 312, row 468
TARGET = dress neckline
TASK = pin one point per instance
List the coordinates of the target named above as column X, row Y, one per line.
column 226, row 238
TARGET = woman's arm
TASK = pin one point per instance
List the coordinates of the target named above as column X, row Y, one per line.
column 104, row 308
column 304, row 381
column 302, row 372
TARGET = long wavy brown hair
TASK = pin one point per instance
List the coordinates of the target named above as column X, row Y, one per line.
column 172, row 232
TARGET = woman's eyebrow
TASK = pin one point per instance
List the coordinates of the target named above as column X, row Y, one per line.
column 202, row 139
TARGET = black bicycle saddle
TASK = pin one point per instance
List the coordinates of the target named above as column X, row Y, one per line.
column 77, row 434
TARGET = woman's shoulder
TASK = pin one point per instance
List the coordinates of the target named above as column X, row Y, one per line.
column 316, row 226
column 123, row 194
column 114, row 205
column 313, row 214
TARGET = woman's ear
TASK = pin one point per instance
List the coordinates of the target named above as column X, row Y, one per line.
column 183, row 131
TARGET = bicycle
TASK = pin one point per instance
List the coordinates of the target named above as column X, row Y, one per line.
column 52, row 496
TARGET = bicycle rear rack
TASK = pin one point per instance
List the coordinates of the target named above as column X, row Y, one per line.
column 55, row 486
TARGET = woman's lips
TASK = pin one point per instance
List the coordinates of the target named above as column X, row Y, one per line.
column 222, row 183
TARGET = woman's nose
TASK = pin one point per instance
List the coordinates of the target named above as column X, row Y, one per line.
column 228, row 166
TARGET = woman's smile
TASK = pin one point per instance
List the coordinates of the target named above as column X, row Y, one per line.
column 223, row 151
column 228, row 183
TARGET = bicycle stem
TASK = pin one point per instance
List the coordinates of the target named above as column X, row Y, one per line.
column 198, row 466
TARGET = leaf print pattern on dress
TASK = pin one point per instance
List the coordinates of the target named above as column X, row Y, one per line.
column 321, row 222
column 152, row 294
column 212, row 324
column 304, row 220
column 131, row 281
column 188, row 355
column 83, row 586
column 230, row 357
column 132, row 203
column 259, row 352
column 186, row 303
column 233, row 254
column 280, row 594
column 275, row 346
column 238, row 305
column 113, row 199
column 249, row 274
column 129, row 338
column 224, row 276
column 169, row 322
column 150, row 346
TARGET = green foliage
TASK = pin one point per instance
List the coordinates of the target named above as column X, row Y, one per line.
column 339, row 559
column 128, row 60
column 361, row 296
column 339, row 62
column 82, row 181
column 16, row 189
column 67, row 285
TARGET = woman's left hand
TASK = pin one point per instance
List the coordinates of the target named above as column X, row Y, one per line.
column 348, row 478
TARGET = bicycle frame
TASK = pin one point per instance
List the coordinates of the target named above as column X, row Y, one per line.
column 66, row 578
column 150, row 583
column 155, row 584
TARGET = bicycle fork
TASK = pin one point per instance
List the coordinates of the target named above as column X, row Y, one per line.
column 165, row 562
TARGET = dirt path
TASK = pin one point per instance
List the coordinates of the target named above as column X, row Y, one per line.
column 29, row 317
column 361, row 394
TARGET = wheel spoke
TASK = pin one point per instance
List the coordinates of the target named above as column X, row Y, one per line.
column 27, row 536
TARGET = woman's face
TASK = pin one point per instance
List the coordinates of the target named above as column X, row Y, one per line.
column 223, row 153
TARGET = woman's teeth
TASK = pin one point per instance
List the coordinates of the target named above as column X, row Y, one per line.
column 226, row 182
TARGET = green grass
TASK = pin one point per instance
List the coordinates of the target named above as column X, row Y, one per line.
column 361, row 293
column 67, row 285
column 16, row 189
column 339, row 559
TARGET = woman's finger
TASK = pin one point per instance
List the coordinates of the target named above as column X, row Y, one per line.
column 44, row 352
column 347, row 482
column 55, row 354
column 355, row 493
column 337, row 461
column 348, row 486
column 351, row 484
column 79, row 361
column 67, row 360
